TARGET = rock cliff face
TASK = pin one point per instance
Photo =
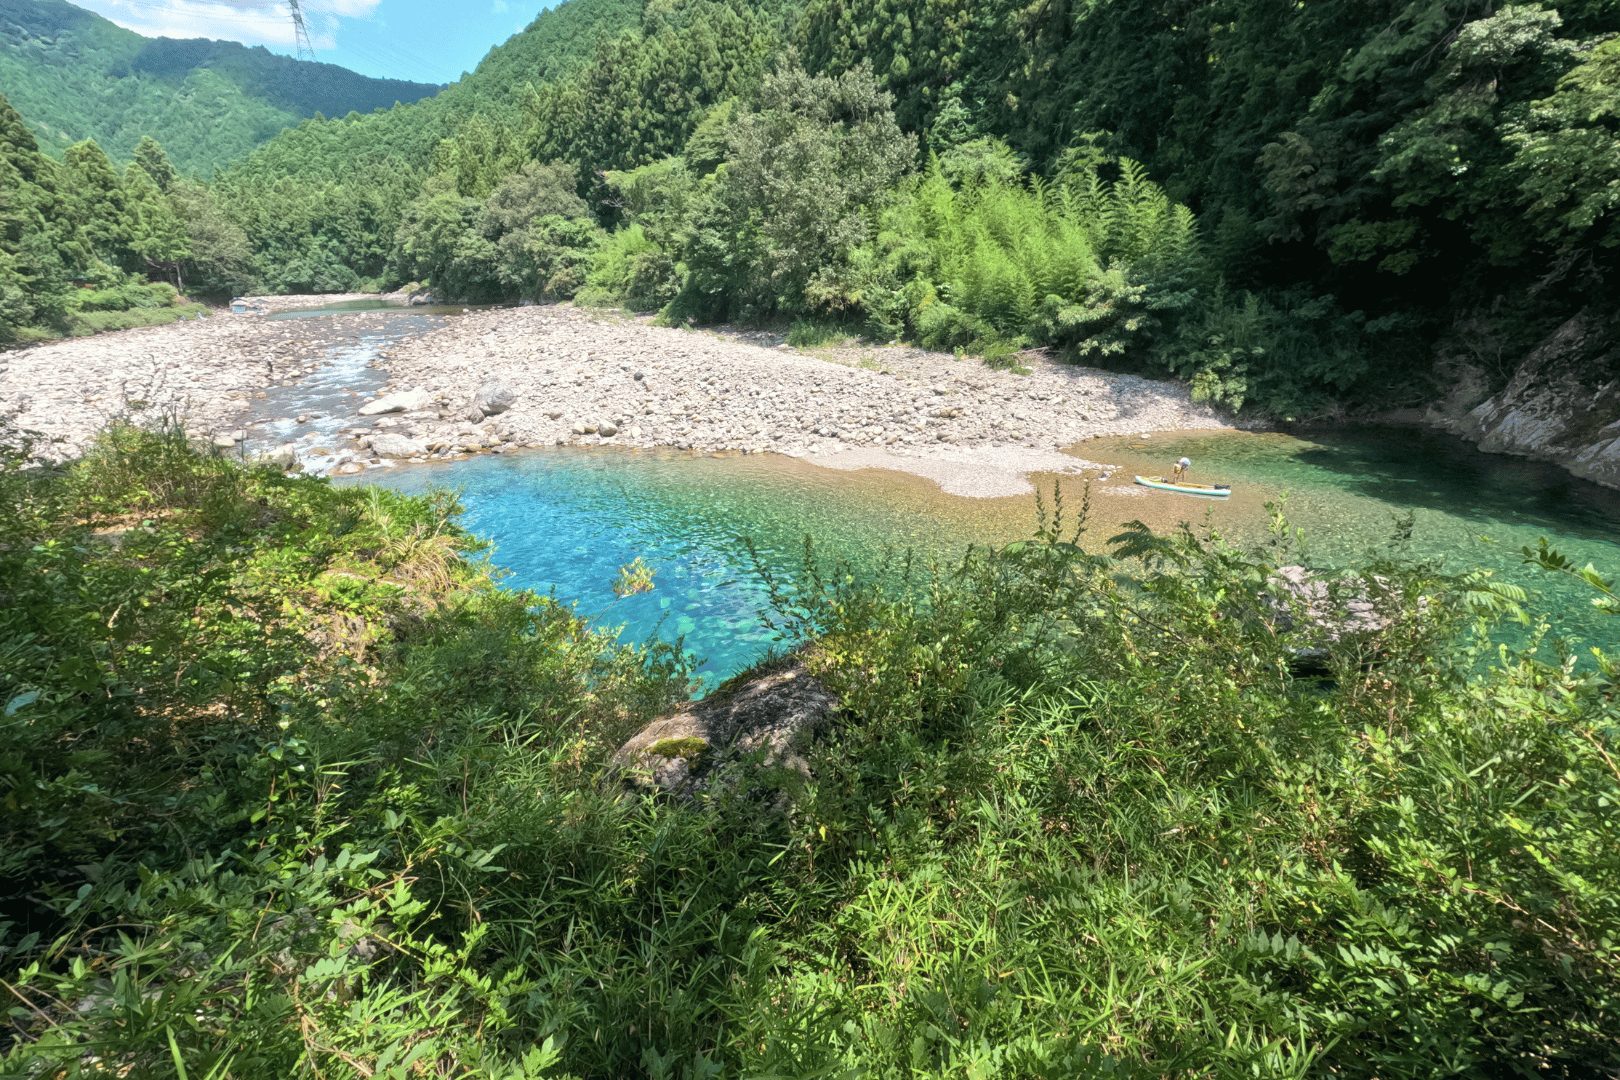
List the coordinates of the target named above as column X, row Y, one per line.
column 1562, row 404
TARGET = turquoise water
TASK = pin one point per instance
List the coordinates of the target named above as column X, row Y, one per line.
column 1347, row 489
column 564, row 521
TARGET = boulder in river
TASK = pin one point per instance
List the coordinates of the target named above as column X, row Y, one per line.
column 284, row 456
column 403, row 401
column 395, row 446
column 1319, row 611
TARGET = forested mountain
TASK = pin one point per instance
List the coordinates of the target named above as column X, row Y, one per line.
column 1299, row 205
column 74, row 75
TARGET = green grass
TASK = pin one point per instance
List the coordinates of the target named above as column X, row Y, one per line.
column 813, row 333
column 293, row 789
column 88, row 323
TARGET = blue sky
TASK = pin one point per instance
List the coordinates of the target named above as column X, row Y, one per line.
column 424, row 40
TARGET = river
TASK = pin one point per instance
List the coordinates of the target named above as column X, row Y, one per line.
column 563, row 521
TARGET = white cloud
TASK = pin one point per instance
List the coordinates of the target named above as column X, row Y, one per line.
column 500, row 7
column 252, row 22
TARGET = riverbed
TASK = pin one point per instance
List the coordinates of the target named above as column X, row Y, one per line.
column 708, row 517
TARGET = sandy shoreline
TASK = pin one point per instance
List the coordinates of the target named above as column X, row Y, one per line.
column 561, row 376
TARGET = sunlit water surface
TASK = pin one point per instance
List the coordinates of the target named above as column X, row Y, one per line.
column 1349, row 489
column 565, row 521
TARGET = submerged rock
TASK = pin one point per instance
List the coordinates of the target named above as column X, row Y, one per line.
column 1320, row 611
column 758, row 723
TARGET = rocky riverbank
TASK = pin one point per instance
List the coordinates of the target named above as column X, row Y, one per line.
column 204, row 373
column 561, row 376
column 1561, row 405
column 497, row 380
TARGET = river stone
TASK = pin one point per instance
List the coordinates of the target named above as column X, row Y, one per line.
column 494, row 398
column 284, row 456
column 224, row 442
column 607, row 429
column 404, row 401
column 395, row 446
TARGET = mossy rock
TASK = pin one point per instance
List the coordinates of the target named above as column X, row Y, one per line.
column 687, row 749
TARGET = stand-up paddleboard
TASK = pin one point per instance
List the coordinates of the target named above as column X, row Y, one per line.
column 1208, row 491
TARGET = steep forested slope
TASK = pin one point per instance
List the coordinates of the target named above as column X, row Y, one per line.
column 323, row 201
column 75, row 75
column 1377, row 194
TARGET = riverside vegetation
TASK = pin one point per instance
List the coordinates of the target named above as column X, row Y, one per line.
column 1293, row 208
column 291, row 788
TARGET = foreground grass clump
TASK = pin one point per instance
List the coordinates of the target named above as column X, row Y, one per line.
column 292, row 789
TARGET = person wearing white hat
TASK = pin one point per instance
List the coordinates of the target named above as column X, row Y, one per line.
column 1180, row 472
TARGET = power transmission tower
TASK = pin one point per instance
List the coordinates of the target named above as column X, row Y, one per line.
column 306, row 48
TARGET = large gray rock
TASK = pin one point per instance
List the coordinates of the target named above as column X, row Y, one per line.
column 762, row 723
column 492, row 399
column 396, row 446
column 403, row 401
column 1318, row 611
column 284, row 456
column 1562, row 404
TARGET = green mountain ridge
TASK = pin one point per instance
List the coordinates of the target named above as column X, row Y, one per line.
column 75, row 75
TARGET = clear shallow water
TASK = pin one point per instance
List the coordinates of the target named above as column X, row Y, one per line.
column 332, row 395
column 1347, row 488
column 564, row 521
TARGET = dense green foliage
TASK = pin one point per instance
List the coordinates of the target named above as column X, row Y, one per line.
column 76, row 76
column 86, row 247
column 292, row 789
column 1375, row 195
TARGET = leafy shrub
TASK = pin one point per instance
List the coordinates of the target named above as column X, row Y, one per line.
column 809, row 333
column 1092, row 267
column 792, row 201
column 630, row 270
column 1083, row 822
column 943, row 327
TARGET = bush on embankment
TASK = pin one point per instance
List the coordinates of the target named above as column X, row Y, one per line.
column 293, row 789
